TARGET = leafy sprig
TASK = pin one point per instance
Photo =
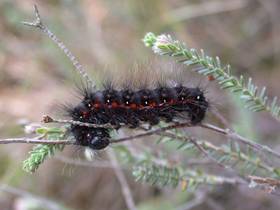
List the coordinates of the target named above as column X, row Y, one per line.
column 41, row 152
column 173, row 176
column 157, row 175
column 152, row 170
column 247, row 162
column 255, row 99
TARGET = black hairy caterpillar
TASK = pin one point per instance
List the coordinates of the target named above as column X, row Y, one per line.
column 129, row 107
column 125, row 106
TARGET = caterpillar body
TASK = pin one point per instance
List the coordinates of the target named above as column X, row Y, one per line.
column 133, row 107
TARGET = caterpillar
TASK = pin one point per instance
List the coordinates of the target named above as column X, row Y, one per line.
column 124, row 106
column 131, row 108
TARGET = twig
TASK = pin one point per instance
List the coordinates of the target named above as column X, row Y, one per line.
column 46, row 141
column 106, row 164
column 48, row 119
column 265, row 184
column 196, row 144
column 220, row 117
column 35, row 141
column 236, row 155
column 122, row 180
column 233, row 135
column 152, row 132
column 203, row 146
column 37, row 23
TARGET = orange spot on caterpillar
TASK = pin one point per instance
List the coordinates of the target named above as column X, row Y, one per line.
column 211, row 77
column 152, row 104
column 133, row 106
column 96, row 105
column 114, row 104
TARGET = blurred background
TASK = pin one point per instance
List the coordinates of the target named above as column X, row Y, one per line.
column 106, row 34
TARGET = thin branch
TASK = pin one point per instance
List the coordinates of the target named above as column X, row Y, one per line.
column 237, row 155
column 37, row 23
column 122, row 180
column 227, row 132
column 233, row 135
column 35, row 141
column 220, row 117
column 204, row 146
column 196, row 144
column 152, row 132
column 48, row 119
column 106, row 164
column 46, row 141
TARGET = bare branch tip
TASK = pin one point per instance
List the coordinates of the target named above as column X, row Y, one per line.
column 47, row 119
column 37, row 22
column 36, row 11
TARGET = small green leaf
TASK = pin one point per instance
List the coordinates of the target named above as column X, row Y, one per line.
column 42, row 130
column 277, row 171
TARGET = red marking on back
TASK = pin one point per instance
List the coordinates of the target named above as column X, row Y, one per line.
column 152, row 104
column 133, row 106
column 96, row 105
column 211, row 78
column 114, row 105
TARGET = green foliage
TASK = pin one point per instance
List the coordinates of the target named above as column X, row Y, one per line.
column 40, row 152
column 157, row 175
column 246, row 162
column 148, row 168
column 173, row 176
column 255, row 100
column 38, row 155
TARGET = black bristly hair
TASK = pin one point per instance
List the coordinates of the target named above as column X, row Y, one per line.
column 131, row 108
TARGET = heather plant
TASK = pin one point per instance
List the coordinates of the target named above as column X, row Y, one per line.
column 240, row 160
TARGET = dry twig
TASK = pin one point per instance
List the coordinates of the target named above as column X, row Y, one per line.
column 37, row 23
